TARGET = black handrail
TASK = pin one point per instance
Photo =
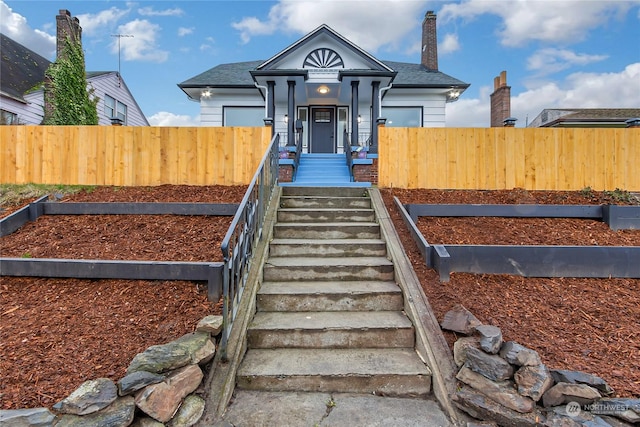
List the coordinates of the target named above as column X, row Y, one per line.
column 243, row 236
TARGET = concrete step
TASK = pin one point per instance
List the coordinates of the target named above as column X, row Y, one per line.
column 390, row 372
column 335, row 329
column 324, row 191
column 311, row 202
column 327, row 247
column 325, row 215
column 326, row 230
column 329, row 296
column 307, row 269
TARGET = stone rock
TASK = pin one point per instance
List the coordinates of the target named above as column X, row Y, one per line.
column 460, row 320
column 36, row 417
column 91, row 396
column 481, row 407
column 189, row 413
column 614, row 422
column 519, row 355
column 161, row 401
column 481, row 424
column 460, row 349
column 626, row 409
column 558, row 417
column 502, row 392
column 137, row 380
column 147, row 422
column 533, row 381
column 188, row 349
column 577, row 377
column 491, row 366
column 490, row 338
column 563, row 393
column 211, row 324
column 119, row 414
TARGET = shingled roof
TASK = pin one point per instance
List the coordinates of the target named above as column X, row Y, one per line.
column 21, row 68
column 551, row 117
column 238, row 75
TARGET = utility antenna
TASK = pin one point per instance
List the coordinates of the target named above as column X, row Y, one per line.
column 120, row 36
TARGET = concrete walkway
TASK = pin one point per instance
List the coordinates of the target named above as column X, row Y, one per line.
column 267, row 408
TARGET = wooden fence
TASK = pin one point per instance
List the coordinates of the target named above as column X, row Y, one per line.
column 131, row 156
column 454, row 158
column 505, row 158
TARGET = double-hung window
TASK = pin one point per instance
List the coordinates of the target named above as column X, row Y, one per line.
column 115, row 109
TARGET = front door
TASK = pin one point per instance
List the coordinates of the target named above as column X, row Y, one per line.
column 323, row 130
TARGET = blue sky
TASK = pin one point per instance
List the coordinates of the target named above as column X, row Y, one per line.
column 557, row 54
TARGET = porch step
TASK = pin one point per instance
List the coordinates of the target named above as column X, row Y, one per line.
column 329, row 296
column 333, row 230
column 327, row 247
column 344, row 268
column 330, row 192
column 325, row 215
column 391, row 372
column 335, row 329
column 322, row 169
column 320, row 202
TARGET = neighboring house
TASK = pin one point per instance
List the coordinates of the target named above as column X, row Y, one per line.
column 585, row 117
column 22, row 80
column 335, row 90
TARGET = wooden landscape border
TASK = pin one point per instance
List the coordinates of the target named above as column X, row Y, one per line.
column 529, row 260
column 211, row 272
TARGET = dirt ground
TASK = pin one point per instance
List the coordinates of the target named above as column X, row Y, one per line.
column 57, row 333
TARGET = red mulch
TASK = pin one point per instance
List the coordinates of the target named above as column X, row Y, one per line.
column 591, row 325
column 57, row 333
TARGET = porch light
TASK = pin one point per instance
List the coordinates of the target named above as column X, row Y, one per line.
column 286, row 118
column 359, row 118
column 323, row 90
column 453, row 95
column 206, row 93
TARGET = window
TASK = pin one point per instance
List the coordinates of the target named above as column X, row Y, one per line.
column 109, row 106
column 410, row 117
column 244, row 116
column 113, row 109
column 8, row 118
column 322, row 116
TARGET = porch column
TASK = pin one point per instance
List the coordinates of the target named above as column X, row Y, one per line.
column 375, row 108
column 354, row 112
column 271, row 103
column 291, row 112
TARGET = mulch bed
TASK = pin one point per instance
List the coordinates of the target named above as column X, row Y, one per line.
column 57, row 333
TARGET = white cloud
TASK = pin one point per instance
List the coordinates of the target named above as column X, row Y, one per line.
column 164, row 118
column 370, row 25
column 15, row 26
column 150, row 11
column 449, row 44
column 578, row 90
column 92, row 23
column 143, row 45
column 182, row 31
column 551, row 60
column 554, row 22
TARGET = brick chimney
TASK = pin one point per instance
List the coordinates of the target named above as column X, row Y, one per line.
column 66, row 27
column 500, row 101
column 429, row 42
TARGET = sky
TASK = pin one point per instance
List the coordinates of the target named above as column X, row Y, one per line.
column 557, row 54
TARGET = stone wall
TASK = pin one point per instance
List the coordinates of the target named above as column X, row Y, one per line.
column 507, row 384
column 160, row 387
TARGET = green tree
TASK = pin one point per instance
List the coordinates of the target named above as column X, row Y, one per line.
column 67, row 100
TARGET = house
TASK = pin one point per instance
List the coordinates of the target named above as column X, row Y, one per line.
column 328, row 87
column 22, row 84
column 586, row 117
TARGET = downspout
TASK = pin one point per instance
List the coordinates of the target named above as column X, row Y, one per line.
column 382, row 89
column 266, row 98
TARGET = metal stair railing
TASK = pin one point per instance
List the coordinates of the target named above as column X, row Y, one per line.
column 243, row 235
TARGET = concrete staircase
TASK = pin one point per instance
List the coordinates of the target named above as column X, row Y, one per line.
column 329, row 314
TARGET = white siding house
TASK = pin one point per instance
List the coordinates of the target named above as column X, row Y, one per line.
column 333, row 89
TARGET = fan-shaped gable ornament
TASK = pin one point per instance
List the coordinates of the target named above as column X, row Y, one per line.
column 323, row 58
